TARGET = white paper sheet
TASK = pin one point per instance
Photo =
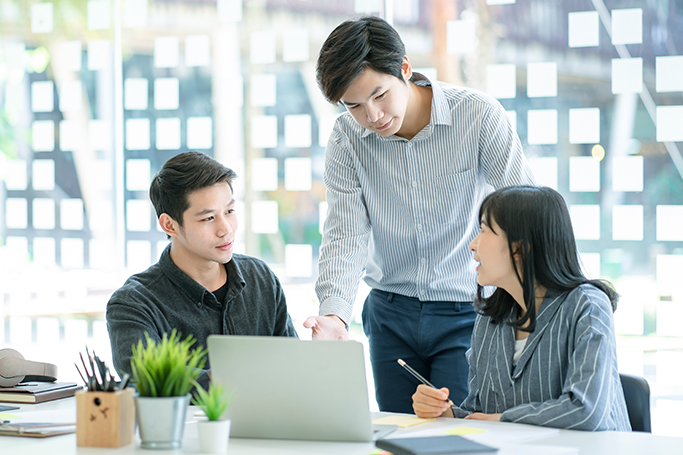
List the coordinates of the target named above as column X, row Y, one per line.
column 197, row 50
column 299, row 260
column 166, row 52
column 584, row 174
column 264, row 217
column 668, row 70
column 42, row 96
column 70, row 55
column 584, row 126
column 627, row 75
column 541, row 79
column 199, row 133
column 627, row 222
column 166, row 93
column 264, row 131
column 71, row 214
column 263, row 90
column 501, row 80
column 584, row 29
column 669, row 222
column 43, row 178
column 298, row 131
column 16, row 177
column 43, row 135
column 41, row 17
column 167, row 133
column 627, row 26
column 43, row 213
column 262, row 47
column 99, row 54
column 69, row 135
column 298, row 174
column 137, row 134
column 138, row 215
column 669, row 123
column 461, row 37
column 136, row 93
column 627, row 173
column 99, row 15
column 16, row 213
column 138, row 172
column 295, row 45
column 264, row 174
column 541, row 126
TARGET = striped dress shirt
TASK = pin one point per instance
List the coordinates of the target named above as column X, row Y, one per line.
column 567, row 376
column 405, row 211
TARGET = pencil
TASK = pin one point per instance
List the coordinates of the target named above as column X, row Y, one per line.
column 420, row 378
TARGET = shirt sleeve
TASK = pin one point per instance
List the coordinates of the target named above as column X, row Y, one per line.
column 589, row 389
column 127, row 323
column 500, row 151
column 344, row 249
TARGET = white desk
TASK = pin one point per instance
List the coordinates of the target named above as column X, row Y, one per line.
column 585, row 443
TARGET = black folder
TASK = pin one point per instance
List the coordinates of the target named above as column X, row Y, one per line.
column 436, row 445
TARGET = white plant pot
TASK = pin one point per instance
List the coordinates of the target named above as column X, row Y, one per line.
column 214, row 436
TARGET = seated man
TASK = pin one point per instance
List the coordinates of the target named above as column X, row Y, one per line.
column 199, row 286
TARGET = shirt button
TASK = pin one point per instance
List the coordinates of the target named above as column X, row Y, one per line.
column 419, row 227
column 423, row 260
column 199, row 304
column 414, row 184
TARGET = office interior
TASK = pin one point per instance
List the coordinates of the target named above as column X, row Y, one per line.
column 95, row 95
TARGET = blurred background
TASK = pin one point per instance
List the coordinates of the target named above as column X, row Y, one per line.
column 95, row 95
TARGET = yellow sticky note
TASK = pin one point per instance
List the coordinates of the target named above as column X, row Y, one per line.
column 463, row 431
column 401, row 421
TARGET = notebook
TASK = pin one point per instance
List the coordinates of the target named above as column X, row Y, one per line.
column 285, row 388
column 436, row 445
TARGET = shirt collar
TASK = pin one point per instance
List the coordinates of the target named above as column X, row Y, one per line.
column 193, row 290
column 439, row 114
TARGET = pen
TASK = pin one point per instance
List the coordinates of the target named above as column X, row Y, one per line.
column 420, row 378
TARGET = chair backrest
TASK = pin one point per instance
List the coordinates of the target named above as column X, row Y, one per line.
column 637, row 395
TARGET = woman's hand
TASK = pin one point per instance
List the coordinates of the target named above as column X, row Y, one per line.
column 430, row 403
column 482, row 416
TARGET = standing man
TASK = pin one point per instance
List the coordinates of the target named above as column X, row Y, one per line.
column 406, row 168
column 198, row 287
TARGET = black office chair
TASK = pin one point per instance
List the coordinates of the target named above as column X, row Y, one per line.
column 637, row 395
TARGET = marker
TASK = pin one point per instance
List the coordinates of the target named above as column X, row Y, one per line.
column 419, row 377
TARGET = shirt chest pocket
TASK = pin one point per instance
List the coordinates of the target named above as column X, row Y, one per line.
column 451, row 197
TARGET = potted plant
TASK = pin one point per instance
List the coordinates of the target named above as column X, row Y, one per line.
column 164, row 375
column 214, row 432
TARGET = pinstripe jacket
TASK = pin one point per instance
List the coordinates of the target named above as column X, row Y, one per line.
column 404, row 211
column 567, row 374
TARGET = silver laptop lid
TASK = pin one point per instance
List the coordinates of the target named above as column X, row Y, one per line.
column 285, row 388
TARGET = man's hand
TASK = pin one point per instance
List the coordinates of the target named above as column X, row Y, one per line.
column 429, row 403
column 482, row 416
column 328, row 327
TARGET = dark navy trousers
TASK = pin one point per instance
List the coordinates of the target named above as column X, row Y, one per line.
column 432, row 337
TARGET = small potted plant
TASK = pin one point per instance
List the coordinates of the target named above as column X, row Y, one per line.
column 164, row 375
column 214, row 432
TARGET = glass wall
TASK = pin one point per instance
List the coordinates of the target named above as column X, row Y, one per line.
column 95, row 95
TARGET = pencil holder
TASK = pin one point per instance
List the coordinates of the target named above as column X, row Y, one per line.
column 105, row 419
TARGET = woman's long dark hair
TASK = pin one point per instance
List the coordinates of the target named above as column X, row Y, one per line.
column 539, row 229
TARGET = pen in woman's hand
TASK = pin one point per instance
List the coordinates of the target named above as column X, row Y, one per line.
column 420, row 378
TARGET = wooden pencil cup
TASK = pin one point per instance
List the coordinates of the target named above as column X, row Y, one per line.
column 105, row 419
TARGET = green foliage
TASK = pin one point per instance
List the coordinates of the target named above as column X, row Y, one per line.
column 213, row 403
column 168, row 368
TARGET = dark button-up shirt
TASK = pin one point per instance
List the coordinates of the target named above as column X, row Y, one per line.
column 164, row 298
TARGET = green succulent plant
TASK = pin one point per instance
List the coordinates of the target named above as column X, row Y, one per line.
column 213, row 402
column 169, row 368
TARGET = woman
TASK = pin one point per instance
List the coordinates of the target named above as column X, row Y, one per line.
column 543, row 347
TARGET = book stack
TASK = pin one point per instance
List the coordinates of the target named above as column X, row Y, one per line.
column 38, row 392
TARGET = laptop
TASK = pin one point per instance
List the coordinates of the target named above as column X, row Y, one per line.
column 286, row 388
